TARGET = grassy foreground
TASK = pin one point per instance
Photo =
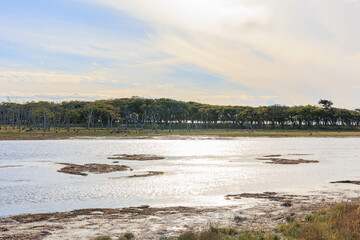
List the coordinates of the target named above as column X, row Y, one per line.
column 340, row 221
column 11, row 134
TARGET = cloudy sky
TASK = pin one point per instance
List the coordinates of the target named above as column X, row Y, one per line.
column 237, row 52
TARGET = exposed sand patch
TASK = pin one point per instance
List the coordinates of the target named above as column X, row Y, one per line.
column 147, row 174
column 266, row 159
column 77, row 169
column 11, row 166
column 273, row 196
column 136, row 157
column 274, row 155
column 143, row 174
column 289, row 161
column 300, row 154
column 275, row 159
column 348, row 181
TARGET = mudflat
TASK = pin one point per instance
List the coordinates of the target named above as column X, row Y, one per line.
column 97, row 168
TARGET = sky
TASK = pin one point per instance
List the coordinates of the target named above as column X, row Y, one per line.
column 226, row 52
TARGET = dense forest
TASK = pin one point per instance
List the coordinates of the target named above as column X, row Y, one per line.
column 143, row 113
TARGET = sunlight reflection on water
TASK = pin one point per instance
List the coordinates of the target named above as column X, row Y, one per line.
column 198, row 172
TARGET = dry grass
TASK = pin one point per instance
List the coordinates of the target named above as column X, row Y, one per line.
column 229, row 234
column 82, row 132
column 341, row 221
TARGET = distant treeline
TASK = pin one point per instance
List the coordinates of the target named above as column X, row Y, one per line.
column 139, row 113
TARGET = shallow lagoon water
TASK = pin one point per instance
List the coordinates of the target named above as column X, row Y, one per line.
column 198, row 171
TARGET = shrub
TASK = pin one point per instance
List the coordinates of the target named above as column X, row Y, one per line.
column 103, row 238
column 129, row 236
column 188, row 236
column 226, row 231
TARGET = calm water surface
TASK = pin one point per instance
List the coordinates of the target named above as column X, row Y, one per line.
column 198, row 171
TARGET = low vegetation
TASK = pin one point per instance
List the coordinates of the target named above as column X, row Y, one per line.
column 340, row 221
column 229, row 234
column 125, row 236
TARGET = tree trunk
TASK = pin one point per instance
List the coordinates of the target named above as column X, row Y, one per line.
column 90, row 116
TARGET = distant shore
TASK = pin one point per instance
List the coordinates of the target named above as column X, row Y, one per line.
column 11, row 134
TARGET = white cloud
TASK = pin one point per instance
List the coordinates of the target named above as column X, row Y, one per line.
column 355, row 57
column 46, row 78
column 296, row 49
column 200, row 15
column 289, row 51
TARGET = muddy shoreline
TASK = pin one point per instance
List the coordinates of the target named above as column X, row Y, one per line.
column 267, row 211
column 166, row 136
column 34, row 138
